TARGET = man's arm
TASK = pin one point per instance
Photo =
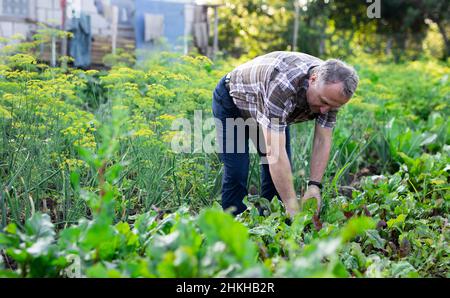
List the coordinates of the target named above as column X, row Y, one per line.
column 280, row 168
column 320, row 152
column 319, row 160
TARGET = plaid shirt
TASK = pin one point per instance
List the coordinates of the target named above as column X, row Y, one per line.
column 272, row 89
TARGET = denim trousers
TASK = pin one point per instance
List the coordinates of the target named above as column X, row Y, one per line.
column 236, row 162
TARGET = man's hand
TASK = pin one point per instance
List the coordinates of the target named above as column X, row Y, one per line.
column 280, row 169
column 312, row 192
column 319, row 160
column 292, row 207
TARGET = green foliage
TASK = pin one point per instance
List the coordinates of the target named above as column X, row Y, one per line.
column 90, row 186
column 254, row 27
column 335, row 28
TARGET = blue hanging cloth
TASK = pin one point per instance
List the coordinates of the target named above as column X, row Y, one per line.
column 80, row 46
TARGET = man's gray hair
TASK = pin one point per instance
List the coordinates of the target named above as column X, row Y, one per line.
column 336, row 71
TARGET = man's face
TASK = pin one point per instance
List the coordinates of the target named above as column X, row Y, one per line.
column 324, row 97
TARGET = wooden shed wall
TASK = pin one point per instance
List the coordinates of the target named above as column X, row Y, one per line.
column 49, row 12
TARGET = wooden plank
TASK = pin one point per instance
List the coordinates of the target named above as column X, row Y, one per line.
column 101, row 46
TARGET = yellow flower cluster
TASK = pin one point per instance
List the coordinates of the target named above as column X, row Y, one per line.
column 21, row 60
column 169, row 135
column 91, row 72
column 80, row 129
column 4, row 113
column 21, row 75
column 166, row 117
column 86, row 141
column 72, row 163
column 122, row 75
column 143, row 132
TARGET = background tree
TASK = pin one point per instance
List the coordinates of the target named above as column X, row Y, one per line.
column 253, row 27
column 439, row 12
column 332, row 27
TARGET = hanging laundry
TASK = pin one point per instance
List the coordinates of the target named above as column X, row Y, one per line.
column 100, row 6
column 201, row 35
column 123, row 15
column 80, row 44
column 154, row 26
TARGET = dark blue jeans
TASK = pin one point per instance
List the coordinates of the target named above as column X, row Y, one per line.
column 236, row 162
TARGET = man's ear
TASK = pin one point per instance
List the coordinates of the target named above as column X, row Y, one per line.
column 312, row 78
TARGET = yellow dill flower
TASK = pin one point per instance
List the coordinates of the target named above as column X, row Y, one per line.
column 8, row 96
column 4, row 113
column 120, row 108
column 168, row 136
column 166, row 117
column 72, row 163
column 86, row 141
column 143, row 132
column 91, row 72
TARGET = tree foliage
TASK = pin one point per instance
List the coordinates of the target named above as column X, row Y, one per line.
column 332, row 28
